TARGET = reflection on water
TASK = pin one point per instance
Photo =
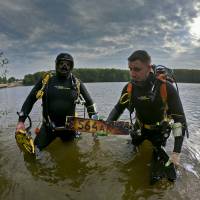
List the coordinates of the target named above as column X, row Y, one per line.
column 52, row 165
column 88, row 169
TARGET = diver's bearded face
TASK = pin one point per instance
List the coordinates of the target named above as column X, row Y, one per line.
column 64, row 67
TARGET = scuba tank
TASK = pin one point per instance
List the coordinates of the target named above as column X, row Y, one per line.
column 165, row 73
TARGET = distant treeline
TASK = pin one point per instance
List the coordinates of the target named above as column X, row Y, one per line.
column 9, row 80
column 115, row 75
column 187, row 75
column 87, row 75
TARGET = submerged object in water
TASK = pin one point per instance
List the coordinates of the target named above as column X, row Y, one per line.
column 161, row 167
column 97, row 126
column 25, row 141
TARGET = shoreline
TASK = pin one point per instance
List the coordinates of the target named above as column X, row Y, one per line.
column 16, row 84
column 8, row 85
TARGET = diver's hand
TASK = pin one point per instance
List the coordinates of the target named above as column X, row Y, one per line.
column 20, row 126
column 95, row 117
column 175, row 158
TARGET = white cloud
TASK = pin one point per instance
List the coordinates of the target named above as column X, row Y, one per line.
column 195, row 28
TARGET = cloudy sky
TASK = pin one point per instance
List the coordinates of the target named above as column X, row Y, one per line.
column 98, row 33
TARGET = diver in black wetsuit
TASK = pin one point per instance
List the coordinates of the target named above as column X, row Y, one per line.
column 59, row 93
column 155, row 102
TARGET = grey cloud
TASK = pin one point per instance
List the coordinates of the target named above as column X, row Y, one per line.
column 97, row 32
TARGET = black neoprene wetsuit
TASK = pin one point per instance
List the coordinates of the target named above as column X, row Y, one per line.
column 58, row 102
column 147, row 102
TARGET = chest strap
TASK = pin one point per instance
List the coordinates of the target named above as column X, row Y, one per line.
column 45, row 80
column 126, row 97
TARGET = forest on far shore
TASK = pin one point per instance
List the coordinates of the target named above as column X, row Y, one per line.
column 115, row 75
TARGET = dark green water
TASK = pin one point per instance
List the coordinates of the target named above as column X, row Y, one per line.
column 88, row 169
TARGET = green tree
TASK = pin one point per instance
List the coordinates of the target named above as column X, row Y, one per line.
column 11, row 80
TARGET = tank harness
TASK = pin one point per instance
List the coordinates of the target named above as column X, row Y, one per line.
column 126, row 98
column 40, row 93
column 45, row 80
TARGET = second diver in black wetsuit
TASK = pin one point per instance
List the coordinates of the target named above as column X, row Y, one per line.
column 155, row 103
column 59, row 93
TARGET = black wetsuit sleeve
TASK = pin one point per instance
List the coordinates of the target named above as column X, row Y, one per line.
column 88, row 100
column 121, row 105
column 175, row 110
column 30, row 100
